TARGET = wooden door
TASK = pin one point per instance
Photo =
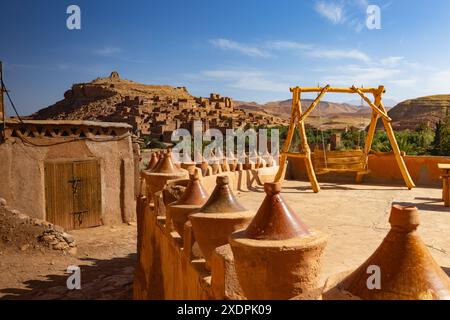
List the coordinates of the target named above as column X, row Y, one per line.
column 73, row 194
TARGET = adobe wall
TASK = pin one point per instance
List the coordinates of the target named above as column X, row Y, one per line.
column 167, row 267
column 383, row 170
column 23, row 178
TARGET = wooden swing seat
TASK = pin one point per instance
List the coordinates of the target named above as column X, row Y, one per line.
column 340, row 162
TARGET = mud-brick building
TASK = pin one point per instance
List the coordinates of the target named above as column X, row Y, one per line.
column 76, row 174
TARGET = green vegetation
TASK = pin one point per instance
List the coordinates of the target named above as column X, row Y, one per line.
column 152, row 143
column 422, row 141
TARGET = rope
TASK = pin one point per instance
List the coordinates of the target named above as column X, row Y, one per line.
column 10, row 100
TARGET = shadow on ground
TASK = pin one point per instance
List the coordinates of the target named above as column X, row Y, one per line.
column 431, row 204
column 328, row 186
column 101, row 279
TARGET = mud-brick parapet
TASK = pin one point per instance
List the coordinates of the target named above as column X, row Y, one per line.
column 167, row 267
column 401, row 268
column 277, row 256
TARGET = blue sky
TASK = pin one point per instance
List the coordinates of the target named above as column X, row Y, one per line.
column 246, row 49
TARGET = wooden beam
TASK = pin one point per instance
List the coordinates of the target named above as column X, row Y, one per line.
column 314, row 104
column 381, row 112
column 334, row 90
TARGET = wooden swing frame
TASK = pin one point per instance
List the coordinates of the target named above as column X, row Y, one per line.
column 298, row 118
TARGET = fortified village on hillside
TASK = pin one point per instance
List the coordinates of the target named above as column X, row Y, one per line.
column 154, row 111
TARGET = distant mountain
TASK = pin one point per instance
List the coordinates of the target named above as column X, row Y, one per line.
column 327, row 115
column 283, row 108
column 388, row 103
column 412, row 113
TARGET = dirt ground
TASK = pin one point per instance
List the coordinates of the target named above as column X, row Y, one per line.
column 354, row 216
column 106, row 257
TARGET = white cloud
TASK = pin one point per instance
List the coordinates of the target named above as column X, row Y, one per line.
column 438, row 82
column 358, row 75
column 392, row 61
column 107, row 51
column 252, row 51
column 331, row 11
column 289, row 45
column 340, row 54
column 246, row 79
column 284, row 45
column 407, row 83
column 351, row 13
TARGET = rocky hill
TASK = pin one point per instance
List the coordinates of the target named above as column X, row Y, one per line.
column 425, row 110
column 152, row 110
column 97, row 99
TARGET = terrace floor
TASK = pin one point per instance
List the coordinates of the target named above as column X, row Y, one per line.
column 355, row 217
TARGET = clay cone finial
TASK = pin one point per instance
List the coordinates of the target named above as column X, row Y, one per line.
column 194, row 194
column 275, row 220
column 222, row 199
column 407, row 269
column 165, row 165
column 153, row 161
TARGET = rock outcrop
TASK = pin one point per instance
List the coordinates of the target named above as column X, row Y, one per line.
column 410, row 114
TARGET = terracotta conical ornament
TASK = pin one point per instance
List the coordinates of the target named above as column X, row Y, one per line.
column 275, row 220
column 166, row 164
column 221, row 215
column 164, row 171
column 277, row 256
column 193, row 198
column 222, row 199
column 153, row 162
column 406, row 267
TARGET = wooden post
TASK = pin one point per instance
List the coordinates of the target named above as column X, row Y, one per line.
column 371, row 131
column 304, row 140
column 287, row 143
column 398, row 155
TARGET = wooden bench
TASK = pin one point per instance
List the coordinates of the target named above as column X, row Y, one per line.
column 340, row 162
column 445, row 168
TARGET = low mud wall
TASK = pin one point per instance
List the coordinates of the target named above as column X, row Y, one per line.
column 169, row 268
column 383, row 170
